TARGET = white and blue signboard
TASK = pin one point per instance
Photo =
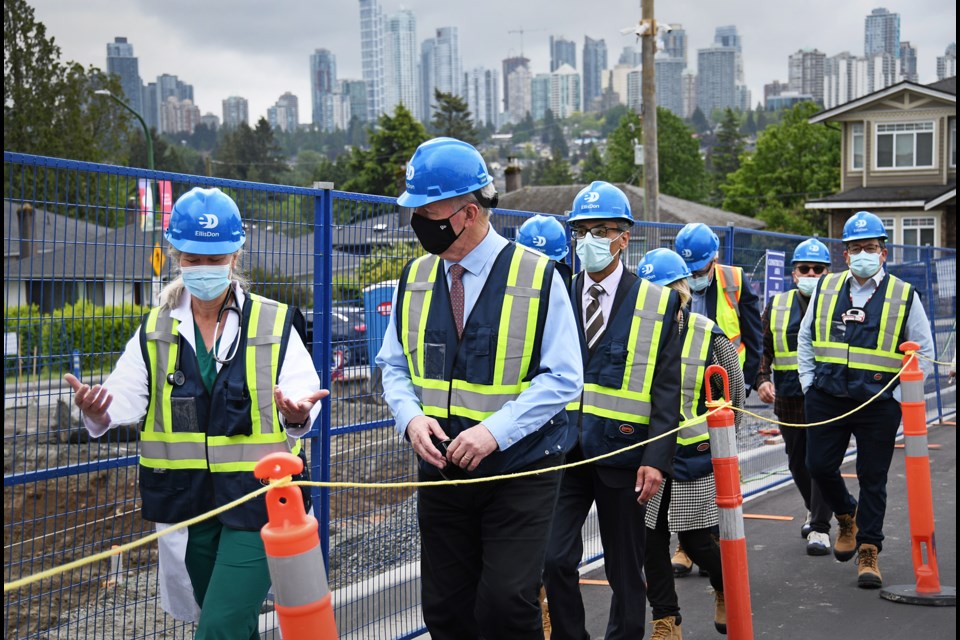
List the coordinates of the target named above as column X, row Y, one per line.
column 774, row 282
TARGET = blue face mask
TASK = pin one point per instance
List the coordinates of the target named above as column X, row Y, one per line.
column 594, row 253
column 698, row 283
column 807, row 285
column 206, row 282
column 865, row 265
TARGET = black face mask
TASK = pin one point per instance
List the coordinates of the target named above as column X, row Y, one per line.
column 436, row 236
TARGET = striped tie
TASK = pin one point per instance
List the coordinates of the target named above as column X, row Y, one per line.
column 456, row 296
column 594, row 323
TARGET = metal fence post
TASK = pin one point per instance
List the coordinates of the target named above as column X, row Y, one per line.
column 731, row 235
column 931, row 295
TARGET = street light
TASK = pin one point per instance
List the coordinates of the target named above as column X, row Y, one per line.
column 146, row 129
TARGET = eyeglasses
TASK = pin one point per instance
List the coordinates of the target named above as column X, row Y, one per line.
column 599, row 232
column 705, row 270
column 854, row 249
column 807, row 268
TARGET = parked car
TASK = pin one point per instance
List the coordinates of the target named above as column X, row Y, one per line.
column 348, row 336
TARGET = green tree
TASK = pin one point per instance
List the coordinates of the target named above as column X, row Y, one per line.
column 592, row 167
column 612, row 118
column 794, row 161
column 724, row 156
column 619, row 155
column 749, row 127
column 523, row 130
column 251, row 154
column 699, row 121
column 452, row 117
column 48, row 106
column 380, row 169
column 551, row 171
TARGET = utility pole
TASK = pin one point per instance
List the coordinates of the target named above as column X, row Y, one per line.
column 648, row 90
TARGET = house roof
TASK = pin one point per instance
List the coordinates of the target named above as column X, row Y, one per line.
column 915, row 196
column 558, row 199
column 944, row 90
column 51, row 231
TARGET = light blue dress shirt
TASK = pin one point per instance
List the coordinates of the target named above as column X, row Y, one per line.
column 916, row 330
column 548, row 393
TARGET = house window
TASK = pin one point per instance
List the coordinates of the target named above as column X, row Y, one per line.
column 905, row 145
column 921, row 231
column 856, row 145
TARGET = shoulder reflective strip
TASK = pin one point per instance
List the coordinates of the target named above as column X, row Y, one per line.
column 826, row 304
column 784, row 359
column 220, row 454
column 163, row 361
column 417, row 298
column 300, row 579
column 696, row 346
column 261, row 363
column 518, row 316
column 911, row 391
column 731, row 523
column 894, row 311
column 644, row 342
column 723, row 442
column 916, row 446
column 730, row 283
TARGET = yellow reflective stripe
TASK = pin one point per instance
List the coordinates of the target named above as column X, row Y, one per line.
column 829, row 295
column 696, row 430
column 693, row 358
column 895, row 306
column 728, row 307
column 781, row 306
column 620, row 404
column 418, row 296
column 645, row 337
column 518, row 314
column 251, row 364
column 161, row 327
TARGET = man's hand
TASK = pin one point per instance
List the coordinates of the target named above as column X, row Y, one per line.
column 767, row 392
column 418, row 433
column 470, row 447
column 649, row 480
column 297, row 412
column 93, row 402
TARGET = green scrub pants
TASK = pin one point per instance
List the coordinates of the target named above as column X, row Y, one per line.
column 228, row 569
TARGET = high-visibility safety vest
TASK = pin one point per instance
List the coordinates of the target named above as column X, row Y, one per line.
column 857, row 359
column 692, row 460
column 461, row 382
column 616, row 401
column 729, row 286
column 198, row 449
column 785, row 318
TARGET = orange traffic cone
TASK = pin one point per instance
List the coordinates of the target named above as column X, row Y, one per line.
column 302, row 597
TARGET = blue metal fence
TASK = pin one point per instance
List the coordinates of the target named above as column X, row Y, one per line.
column 78, row 274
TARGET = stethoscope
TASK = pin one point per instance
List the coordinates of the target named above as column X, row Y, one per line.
column 177, row 378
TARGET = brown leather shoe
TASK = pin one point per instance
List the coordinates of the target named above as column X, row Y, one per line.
column 846, row 545
column 666, row 629
column 682, row 564
column 868, row 572
column 545, row 614
column 720, row 615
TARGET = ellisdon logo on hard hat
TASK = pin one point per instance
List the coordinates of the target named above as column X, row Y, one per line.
column 208, row 221
column 410, row 172
column 539, row 241
column 647, row 269
column 860, row 224
column 592, row 196
column 686, row 253
column 814, row 249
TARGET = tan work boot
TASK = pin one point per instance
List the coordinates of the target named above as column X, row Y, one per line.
column 720, row 615
column 666, row 629
column 846, row 545
column 868, row 572
column 682, row 564
column 545, row 614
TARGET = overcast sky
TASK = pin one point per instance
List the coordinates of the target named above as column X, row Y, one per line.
column 260, row 49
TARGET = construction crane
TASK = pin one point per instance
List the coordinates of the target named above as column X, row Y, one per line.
column 521, row 31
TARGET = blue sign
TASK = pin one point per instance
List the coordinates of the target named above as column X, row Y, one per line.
column 774, row 281
column 76, row 364
column 377, row 303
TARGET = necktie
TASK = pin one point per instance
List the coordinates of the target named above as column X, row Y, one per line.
column 594, row 323
column 456, row 296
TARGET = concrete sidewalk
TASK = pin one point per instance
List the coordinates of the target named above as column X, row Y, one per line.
column 795, row 596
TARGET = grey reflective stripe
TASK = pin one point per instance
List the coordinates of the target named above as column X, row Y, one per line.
column 692, row 371
column 485, row 402
column 723, row 442
column 821, row 352
column 647, row 310
column 916, row 446
column 417, row 290
column 244, row 452
column 829, row 291
column 782, row 304
column 613, row 401
column 911, row 391
column 430, row 397
column 731, row 286
column 300, row 579
column 262, row 352
column 179, row 450
column 524, row 294
column 894, row 304
column 862, row 360
column 731, row 524
column 166, row 347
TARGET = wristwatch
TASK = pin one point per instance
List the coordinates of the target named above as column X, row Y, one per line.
column 296, row 425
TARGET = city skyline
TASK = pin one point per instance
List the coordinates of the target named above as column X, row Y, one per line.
column 238, row 49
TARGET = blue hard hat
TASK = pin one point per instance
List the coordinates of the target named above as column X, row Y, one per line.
column 601, row 201
column 546, row 235
column 205, row 222
column 863, row 225
column 662, row 266
column 811, row 250
column 443, row 168
column 697, row 244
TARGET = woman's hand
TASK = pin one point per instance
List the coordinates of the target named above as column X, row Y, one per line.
column 297, row 412
column 92, row 401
